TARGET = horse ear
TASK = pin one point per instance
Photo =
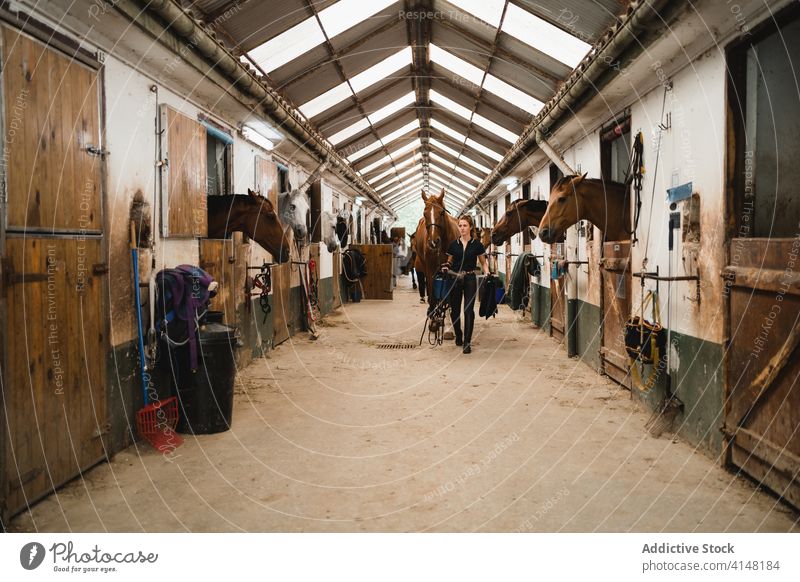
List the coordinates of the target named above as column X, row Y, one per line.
column 441, row 194
column 252, row 192
column 424, row 196
column 581, row 179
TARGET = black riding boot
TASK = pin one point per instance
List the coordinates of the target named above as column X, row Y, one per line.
column 469, row 323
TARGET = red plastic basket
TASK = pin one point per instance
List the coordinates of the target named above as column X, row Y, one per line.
column 156, row 423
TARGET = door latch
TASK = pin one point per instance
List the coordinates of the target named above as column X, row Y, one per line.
column 96, row 151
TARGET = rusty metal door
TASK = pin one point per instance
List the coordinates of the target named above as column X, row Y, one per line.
column 616, row 280
column 267, row 182
column 762, row 412
column 53, row 272
column 378, row 282
column 558, row 301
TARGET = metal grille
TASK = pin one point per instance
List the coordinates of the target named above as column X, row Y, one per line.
column 397, row 346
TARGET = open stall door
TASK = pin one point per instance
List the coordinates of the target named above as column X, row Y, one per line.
column 267, row 182
column 558, row 296
column 53, row 268
column 378, row 282
column 226, row 261
column 762, row 284
column 763, row 395
column 616, row 278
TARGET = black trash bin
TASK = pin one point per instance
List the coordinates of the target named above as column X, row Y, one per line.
column 205, row 397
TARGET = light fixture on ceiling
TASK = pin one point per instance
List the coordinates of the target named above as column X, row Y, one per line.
column 258, row 137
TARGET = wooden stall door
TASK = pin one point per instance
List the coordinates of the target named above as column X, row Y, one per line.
column 762, row 415
column 226, row 261
column 267, row 182
column 616, row 280
column 558, row 302
column 378, row 282
column 183, row 176
column 337, row 269
column 53, row 266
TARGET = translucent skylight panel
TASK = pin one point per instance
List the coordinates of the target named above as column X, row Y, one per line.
column 450, row 105
column 405, row 191
column 406, row 148
column 373, row 165
column 455, row 154
column 396, row 134
column 346, row 14
column 383, row 175
column 494, row 128
column 382, row 70
column 543, row 36
column 512, row 94
column 391, row 108
column 288, row 45
column 456, row 65
column 452, row 176
column 376, row 145
column 490, row 11
column 447, row 164
column 349, row 131
column 448, row 131
column 325, row 101
column 483, row 149
column 365, row 79
column 448, row 188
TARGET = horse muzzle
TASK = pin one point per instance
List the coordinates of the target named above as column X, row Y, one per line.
column 434, row 244
column 547, row 235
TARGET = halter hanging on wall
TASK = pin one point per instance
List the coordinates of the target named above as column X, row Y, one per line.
column 634, row 175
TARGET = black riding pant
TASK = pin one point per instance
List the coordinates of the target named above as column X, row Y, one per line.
column 465, row 289
column 421, row 282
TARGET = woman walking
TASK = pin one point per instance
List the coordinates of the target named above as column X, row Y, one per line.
column 463, row 254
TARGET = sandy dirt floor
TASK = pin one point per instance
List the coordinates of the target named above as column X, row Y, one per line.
column 338, row 434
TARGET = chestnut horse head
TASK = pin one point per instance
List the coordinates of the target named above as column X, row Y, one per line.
column 519, row 215
column 437, row 236
column 576, row 198
column 253, row 215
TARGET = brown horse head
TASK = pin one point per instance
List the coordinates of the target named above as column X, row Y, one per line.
column 486, row 236
column 575, row 198
column 437, row 232
column 253, row 215
column 519, row 215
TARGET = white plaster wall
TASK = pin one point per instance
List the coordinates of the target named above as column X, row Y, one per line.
column 693, row 150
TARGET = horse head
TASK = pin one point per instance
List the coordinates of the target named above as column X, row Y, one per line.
column 293, row 207
column 328, row 229
column 575, row 198
column 519, row 215
column 435, row 217
column 265, row 227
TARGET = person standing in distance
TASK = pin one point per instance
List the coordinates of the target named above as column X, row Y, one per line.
column 463, row 256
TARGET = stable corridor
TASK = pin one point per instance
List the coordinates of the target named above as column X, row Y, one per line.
column 340, row 434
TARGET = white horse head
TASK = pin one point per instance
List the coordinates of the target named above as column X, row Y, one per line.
column 328, row 229
column 293, row 207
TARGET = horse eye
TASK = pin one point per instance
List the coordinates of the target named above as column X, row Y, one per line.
column 293, row 207
column 562, row 200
